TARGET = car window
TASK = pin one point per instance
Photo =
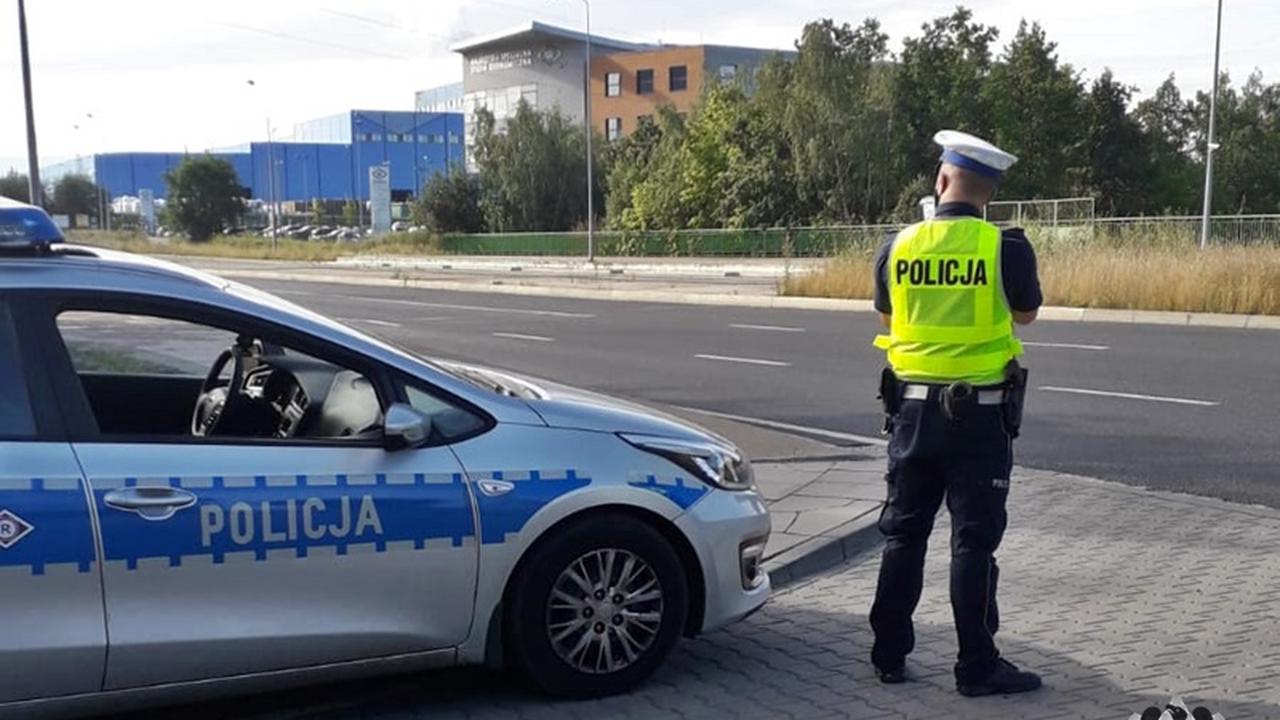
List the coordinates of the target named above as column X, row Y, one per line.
column 103, row 342
column 145, row 375
column 448, row 421
column 16, row 419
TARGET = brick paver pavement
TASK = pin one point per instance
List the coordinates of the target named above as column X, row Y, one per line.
column 1119, row 597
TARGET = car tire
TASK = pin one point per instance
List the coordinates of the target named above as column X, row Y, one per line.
column 579, row 643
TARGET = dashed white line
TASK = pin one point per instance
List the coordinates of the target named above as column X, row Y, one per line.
column 1066, row 346
column 744, row 361
column 518, row 336
column 1131, row 396
column 476, row 308
column 770, row 328
column 370, row 321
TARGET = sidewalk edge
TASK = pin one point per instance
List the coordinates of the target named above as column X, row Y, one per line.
column 823, row 552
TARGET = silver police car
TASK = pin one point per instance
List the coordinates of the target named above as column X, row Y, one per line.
column 206, row 489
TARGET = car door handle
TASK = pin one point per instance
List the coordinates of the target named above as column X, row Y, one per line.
column 152, row 503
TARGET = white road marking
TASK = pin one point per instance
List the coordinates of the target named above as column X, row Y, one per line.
column 380, row 323
column 518, row 336
column 300, row 293
column 745, row 361
column 773, row 328
column 1066, row 346
column 821, row 432
column 1131, row 396
column 477, row 308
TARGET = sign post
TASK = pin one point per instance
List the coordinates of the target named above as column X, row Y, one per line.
column 380, row 198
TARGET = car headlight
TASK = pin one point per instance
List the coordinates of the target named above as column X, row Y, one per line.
column 717, row 464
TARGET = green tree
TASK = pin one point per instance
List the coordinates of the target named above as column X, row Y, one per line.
column 1037, row 114
column 634, row 158
column 938, row 85
column 75, row 195
column 450, row 202
column 838, row 122
column 529, row 173
column 203, row 197
column 1245, row 176
column 14, row 186
column 1168, row 127
column 1119, row 167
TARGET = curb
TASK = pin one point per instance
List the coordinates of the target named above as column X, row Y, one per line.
column 771, row 302
column 823, row 552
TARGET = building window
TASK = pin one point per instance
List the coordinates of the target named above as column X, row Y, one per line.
column 376, row 137
column 678, row 78
column 644, row 82
column 728, row 72
column 612, row 84
column 454, row 139
column 612, row 128
column 362, row 137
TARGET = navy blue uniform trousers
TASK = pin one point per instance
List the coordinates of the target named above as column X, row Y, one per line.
column 967, row 463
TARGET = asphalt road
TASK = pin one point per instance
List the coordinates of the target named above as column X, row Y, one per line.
column 1187, row 409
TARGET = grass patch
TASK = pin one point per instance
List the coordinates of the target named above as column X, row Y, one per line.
column 1239, row 280
column 257, row 248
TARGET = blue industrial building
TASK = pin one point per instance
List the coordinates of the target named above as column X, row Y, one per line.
column 326, row 159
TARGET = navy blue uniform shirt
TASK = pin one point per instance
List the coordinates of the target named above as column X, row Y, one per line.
column 1017, row 264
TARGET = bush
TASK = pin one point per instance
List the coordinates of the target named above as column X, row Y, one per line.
column 204, row 196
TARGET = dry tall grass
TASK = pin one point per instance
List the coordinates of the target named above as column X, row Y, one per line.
column 1220, row 279
column 255, row 248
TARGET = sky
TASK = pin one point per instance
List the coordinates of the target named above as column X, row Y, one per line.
column 166, row 75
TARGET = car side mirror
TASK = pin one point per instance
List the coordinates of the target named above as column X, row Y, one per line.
column 405, row 427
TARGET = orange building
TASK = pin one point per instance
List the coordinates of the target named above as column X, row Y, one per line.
column 627, row 88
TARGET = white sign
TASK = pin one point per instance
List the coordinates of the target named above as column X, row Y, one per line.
column 147, row 203
column 380, row 198
column 493, row 62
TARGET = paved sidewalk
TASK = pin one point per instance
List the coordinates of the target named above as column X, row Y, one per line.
column 1121, row 598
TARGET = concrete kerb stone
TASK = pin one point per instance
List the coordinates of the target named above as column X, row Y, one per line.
column 718, row 297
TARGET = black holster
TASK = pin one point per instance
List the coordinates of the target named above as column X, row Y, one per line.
column 1015, row 378
column 890, row 397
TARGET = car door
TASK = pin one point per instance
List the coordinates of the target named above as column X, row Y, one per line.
column 52, row 635
column 228, row 555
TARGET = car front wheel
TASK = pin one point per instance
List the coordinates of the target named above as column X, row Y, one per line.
column 598, row 607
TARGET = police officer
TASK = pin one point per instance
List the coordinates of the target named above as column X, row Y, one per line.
column 950, row 290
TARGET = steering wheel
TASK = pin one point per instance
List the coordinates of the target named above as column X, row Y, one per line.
column 214, row 401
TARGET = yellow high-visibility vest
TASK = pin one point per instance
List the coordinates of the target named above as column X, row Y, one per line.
column 951, row 320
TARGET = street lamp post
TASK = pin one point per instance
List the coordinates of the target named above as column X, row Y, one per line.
column 591, row 236
column 35, row 189
column 271, row 181
column 1211, row 146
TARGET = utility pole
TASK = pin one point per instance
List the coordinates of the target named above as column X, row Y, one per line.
column 35, row 189
column 1212, row 146
column 591, row 220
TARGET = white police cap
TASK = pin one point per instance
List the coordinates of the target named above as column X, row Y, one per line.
column 973, row 153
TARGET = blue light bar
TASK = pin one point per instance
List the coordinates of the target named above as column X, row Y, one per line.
column 25, row 226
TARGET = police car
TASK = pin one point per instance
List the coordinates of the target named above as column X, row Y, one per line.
column 206, row 489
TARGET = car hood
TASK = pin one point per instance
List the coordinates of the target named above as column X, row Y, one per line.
column 564, row 406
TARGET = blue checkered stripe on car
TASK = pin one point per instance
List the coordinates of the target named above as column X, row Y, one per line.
column 260, row 518
column 48, row 524
column 677, row 489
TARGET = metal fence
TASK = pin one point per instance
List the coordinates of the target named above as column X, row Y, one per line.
column 833, row 240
